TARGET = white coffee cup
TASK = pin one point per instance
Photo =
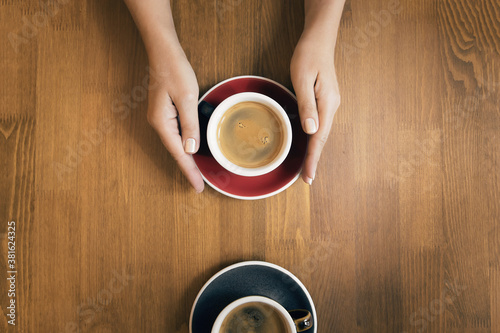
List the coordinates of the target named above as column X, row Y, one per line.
column 292, row 325
column 216, row 118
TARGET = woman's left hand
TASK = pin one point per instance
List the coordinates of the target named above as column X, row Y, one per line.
column 314, row 80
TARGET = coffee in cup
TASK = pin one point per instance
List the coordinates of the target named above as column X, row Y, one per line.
column 250, row 135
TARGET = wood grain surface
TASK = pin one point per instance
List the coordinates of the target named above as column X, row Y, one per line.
column 400, row 231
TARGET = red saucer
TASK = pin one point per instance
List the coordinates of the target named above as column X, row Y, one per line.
column 251, row 188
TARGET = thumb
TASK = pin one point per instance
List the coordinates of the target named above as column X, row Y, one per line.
column 308, row 109
column 188, row 117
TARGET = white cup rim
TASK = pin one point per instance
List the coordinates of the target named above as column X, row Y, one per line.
column 254, row 299
column 226, row 105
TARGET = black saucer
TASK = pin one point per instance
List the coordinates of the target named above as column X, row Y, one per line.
column 246, row 279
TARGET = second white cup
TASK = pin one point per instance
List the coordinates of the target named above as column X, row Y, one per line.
column 228, row 319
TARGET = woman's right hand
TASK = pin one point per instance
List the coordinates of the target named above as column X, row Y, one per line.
column 173, row 89
column 174, row 92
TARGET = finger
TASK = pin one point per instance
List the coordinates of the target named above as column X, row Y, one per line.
column 306, row 100
column 173, row 142
column 189, row 169
column 187, row 107
column 327, row 106
column 165, row 123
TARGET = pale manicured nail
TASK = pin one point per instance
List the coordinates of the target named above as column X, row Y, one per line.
column 309, row 180
column 310, row 126
column 190, row 146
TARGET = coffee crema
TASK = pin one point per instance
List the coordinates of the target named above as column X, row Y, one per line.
column 253, row 318
column 250, row 135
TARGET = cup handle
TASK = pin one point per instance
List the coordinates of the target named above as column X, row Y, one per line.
column 205, row 109
column 302, row 319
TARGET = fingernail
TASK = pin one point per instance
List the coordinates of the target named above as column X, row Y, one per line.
column 310, row 126
column 190, row 146
column 309, row 180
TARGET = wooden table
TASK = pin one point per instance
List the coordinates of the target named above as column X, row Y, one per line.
column 399, row 232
